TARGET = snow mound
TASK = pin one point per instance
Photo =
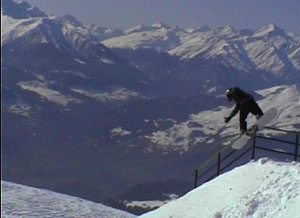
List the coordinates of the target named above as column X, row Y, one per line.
column 260, row 189
column 23, row 201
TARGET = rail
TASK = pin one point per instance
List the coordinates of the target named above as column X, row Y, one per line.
column 226, row 154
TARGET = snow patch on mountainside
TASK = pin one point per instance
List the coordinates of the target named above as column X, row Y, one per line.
column 112, row 95
column 23, row 201
column 264, row 56
column 286, row 100
column 260, row 189
column 80, row 61
column 40, row 30
column 73, row 72
column 106, row 61
column 11, row 29
column 119, row 131
column 20, row 107
column 45, row 92
column 199, row 128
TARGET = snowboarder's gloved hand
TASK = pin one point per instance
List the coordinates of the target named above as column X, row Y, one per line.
column 227, row 119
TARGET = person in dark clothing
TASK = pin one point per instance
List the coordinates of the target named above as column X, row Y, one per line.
column 245, row 104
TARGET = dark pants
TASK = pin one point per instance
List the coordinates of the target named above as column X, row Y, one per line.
column 245, row 109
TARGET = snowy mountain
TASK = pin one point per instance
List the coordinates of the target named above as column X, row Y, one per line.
column 267, row 56
column 81, row 102
column 238, row 49
column 63, row 51
column 157, row 36
column 177, row 61
column 261, row 189
column 24, row 201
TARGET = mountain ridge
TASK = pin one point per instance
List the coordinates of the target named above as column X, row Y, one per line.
column 75, row 110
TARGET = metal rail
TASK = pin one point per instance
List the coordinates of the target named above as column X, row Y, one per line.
column 218, row 155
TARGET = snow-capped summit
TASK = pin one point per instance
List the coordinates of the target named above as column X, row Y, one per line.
column 227, row 30
column 160, row 25
column 157, row 36
column 143, row 28
column 138, row 28
column 64, row 33
column 294, row 36
column 71, row 20
column 269, row 30
column 30, row 31
column 203, row 28
column 101, row 33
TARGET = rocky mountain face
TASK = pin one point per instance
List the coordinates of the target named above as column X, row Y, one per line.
column 93, row 111
column 20, row 10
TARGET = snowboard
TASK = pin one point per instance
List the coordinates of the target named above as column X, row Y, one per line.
column 251, row 132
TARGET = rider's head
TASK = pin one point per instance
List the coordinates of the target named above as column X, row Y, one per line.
column 229, row 94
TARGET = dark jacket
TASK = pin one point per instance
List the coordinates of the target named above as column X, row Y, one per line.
column 241, row 98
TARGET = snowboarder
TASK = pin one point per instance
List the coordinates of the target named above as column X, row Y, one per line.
column 245, row 104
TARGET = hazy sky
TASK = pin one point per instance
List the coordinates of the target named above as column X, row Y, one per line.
column 241, row 14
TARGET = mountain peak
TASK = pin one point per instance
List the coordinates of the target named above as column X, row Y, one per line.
column 160, row 25
column 142, row 28
column 20, row 10
column 227, row 29
column 138, row 28
column 269, row 29
column 24, row 4
column 72, row 20
column 204, row 28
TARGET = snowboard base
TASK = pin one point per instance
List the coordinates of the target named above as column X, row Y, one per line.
column 251, row 132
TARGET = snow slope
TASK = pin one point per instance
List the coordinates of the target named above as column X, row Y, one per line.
column 259, row 189
column 22, row 201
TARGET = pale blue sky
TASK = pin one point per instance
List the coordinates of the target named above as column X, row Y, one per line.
column 241, row 14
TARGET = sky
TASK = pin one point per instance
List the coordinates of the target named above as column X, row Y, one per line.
column 241, row 14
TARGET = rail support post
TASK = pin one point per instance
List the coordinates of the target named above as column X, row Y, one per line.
column 196, row 178
column 253, row 148
column 219, row 164
column 296, row 147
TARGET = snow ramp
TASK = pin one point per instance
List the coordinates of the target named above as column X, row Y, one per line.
column 259, row 189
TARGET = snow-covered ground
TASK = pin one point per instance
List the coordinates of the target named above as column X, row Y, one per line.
column 22, row 201
column 114, row 94
column 259, row 189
